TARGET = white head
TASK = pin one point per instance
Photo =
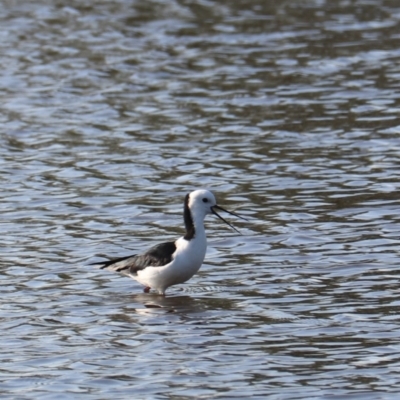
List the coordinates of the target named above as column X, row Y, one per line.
column 200, row 203
column 197, row 205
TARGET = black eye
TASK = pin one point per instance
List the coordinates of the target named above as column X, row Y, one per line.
column 205, row 200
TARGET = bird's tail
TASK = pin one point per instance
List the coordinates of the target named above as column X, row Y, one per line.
column 117, row 265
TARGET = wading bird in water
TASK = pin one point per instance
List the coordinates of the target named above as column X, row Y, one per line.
column 171, row 263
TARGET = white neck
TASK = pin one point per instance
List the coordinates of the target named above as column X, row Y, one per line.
column 198, row 222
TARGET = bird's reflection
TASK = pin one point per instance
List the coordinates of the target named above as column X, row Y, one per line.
column 171, row 304
column 153, row 303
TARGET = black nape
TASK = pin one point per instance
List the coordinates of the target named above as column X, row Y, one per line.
column 187, row 217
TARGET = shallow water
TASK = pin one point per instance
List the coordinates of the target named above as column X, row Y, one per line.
column 111, row 113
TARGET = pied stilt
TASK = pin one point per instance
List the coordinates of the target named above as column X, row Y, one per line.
column 170, row 263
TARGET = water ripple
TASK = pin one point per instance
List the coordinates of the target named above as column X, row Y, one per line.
column 111, row 114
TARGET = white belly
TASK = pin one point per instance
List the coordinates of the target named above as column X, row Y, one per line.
column 188, row 259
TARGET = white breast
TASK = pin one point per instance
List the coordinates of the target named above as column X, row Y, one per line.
column 187, row 260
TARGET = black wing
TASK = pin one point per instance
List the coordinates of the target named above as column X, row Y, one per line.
column 156, row 256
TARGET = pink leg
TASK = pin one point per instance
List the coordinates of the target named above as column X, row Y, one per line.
column 147, row 289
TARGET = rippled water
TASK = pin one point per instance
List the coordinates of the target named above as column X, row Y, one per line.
column 289, row 111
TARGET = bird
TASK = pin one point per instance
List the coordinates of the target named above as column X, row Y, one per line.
column 174, row 262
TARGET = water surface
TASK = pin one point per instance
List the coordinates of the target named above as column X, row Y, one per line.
column 110, row 113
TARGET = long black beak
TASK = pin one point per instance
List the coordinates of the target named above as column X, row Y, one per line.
column 229, row 212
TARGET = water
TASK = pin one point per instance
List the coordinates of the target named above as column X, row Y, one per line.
column 111, row 112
